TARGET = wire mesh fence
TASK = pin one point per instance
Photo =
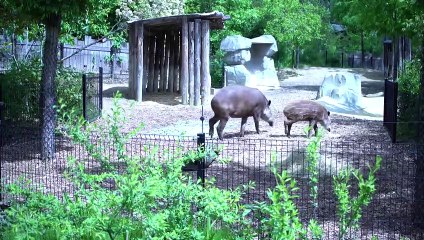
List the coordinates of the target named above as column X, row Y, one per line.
column 390, row 215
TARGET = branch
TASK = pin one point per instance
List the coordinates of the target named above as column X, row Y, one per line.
column 91, row 44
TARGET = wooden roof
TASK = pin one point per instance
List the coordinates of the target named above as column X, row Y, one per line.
column 216, row 19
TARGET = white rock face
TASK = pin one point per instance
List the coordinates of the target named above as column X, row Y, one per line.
column 344, row 88
column 234, row 43
column 249, row 61
column 238, row 75
column 238, row 57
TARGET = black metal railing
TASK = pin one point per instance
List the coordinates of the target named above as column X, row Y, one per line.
column 92, row 95
column 390, row 108
column 390, row 215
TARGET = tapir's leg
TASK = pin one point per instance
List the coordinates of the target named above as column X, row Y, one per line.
column 286, row 131
column 221, row 127
column 312, row 123
column 256, row 119
column 316, row 129
column 243, row 126
column 212, row 122
column 289, row 129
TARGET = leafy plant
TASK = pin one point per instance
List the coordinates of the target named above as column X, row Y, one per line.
column 313, row 170
column 408, row 89
column 146, row 198
column 21, row 87
column 349, row 209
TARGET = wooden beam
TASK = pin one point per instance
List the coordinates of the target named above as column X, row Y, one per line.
column 206, row 77
column 191, row 62
column 131, row 58
column 184, row 61
column 171, row 64
column 164, row 69
column 146, row 60
column 158, row 59
column 197, row 62
column 177, row 72
column 139, row 79
column 152, row 43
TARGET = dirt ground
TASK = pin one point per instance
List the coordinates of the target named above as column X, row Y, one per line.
column 163, row 113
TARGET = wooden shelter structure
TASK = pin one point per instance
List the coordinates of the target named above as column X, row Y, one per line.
column 171, row 54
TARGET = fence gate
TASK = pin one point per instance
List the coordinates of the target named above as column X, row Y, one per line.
column 92, row 95
column 390, row 107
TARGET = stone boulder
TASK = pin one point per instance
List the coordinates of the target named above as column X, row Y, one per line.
column 249, row 61
column 234, row 43
column 237, row 57
column 343, row 88
column 238, row 75
column 267, row 39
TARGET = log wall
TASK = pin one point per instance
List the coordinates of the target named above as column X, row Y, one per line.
column 172, row 60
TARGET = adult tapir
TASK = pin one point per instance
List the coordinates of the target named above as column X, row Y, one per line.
column 238, row 101
column 306, row 110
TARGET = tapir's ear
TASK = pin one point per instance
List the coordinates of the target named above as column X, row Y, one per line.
column 269, row 102
column 328, row 113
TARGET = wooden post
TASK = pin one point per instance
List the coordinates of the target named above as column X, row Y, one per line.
column 191, row 61
column 151, row 54
column 171, row 64
column 132, row 58
column 158, row 62
column 206, row 78
column 177, row 61
column 184, row 61
column 139, row 79
column 163, row 71
column 197, row 65
column 146, row 61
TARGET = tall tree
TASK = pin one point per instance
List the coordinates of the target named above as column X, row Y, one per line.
column 293, row 22
column 52, row 15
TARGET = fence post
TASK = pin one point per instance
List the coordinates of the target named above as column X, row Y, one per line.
column 100, row 90
column 1, row 145
column 84, row 95
column 201, row 164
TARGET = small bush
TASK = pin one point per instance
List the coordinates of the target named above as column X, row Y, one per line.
column 408, row 90
column 21, row 86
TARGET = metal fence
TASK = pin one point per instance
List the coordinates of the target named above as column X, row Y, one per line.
column 98, row 54
column 390, row 107
column 92, row 95
column 389, row 216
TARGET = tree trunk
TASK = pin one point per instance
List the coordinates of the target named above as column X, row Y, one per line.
column 419, row 177
column 362, row 50
column 297, row 57
column 48, row 91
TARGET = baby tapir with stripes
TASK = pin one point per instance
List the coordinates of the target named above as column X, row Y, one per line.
column 306, row 110
column 238, row 101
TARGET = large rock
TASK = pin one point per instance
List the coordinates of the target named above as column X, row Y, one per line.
column 237, row 57
column 238, row 75
column 267, row 40
column 344, row 88
column 234, row 43
column 249, row 61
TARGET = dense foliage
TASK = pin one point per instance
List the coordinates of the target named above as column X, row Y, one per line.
column 143, row 198
column 21, row 90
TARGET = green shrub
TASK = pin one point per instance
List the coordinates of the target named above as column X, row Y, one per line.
column 408, row 90
column 349, row 209
column 150, row 200
column 217, row 69
column 21, row 87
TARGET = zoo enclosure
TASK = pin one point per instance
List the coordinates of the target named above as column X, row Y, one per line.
column 389, row 216
column 92, row 95
column 101, row 54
